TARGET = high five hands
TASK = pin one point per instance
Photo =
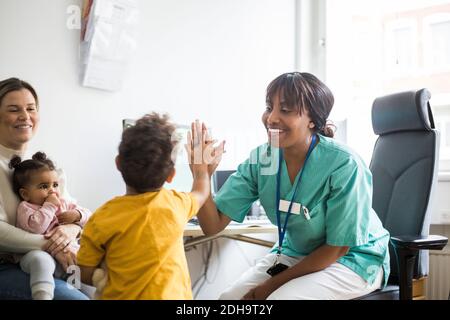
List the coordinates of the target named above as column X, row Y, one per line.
column 201, row 149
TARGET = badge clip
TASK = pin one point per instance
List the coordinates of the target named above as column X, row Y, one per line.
column 306, row 213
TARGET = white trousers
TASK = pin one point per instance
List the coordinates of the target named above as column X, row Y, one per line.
column 336, row 282
column 40, row 266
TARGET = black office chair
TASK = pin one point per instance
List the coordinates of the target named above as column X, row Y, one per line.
column 404, row 167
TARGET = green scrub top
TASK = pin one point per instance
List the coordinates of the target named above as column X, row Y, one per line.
column 336, row 187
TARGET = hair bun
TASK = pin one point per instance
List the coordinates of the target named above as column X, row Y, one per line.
column 14, row 162
column 39, row 156
column 329, row 129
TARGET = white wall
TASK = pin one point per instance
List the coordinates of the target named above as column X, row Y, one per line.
column 196, row 59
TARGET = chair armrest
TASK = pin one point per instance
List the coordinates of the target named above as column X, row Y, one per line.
column 431, row 242
column 408, row 248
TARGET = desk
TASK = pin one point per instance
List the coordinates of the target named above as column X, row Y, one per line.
column 233, row 231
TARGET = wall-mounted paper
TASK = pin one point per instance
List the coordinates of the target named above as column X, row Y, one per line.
column 108, row 42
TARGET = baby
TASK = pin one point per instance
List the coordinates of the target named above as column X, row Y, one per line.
column 36, row 182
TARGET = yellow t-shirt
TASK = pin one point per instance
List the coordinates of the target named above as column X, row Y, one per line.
column 141, row 239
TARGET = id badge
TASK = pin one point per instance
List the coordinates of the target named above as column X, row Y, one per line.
column 276, row 269
column 284, row 206
column 296, row 209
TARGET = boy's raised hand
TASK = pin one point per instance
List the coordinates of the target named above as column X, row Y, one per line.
column 201, row 150
column 203, row 160
column 198, row 143
column 213, row 154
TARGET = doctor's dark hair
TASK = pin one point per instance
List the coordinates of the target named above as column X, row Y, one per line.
column 305, row 92
column 24, row 169
column 15, row 84
column 145, row 152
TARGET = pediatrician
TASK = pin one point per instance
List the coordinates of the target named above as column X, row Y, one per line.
column 331, row 244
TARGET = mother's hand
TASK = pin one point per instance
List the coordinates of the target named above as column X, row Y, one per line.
column 60, row 237
column 67, row 257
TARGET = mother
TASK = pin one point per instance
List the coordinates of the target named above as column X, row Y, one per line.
column 19, row 119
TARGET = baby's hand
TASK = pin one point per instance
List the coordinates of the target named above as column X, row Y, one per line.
column 70, row 216
column 53, row 198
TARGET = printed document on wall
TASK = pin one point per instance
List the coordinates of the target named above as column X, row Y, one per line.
column 108, row 42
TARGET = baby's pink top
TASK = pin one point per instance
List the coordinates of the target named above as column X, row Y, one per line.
column 41, row 219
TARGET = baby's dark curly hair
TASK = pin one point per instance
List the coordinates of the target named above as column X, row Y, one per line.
column 145, row 153
column 23, row 169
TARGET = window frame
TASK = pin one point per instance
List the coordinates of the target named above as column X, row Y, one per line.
column 435, row 18
column 389, row 39
column 318, row 14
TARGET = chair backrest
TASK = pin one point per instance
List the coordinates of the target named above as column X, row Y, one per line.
column 404, row 167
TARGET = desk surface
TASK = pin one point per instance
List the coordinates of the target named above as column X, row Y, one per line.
column 192, row 230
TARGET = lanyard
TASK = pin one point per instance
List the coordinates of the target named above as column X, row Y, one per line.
column 282, row 231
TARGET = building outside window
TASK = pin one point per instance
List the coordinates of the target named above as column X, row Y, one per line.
column 380, row 47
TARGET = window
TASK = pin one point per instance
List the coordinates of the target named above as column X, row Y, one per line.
column 400, row 42
column 443, row 125
column 381, row 47
column 437, row 41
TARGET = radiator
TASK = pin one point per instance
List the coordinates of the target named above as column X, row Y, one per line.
column 438, row 283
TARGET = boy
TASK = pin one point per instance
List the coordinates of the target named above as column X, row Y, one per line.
column 140, row 235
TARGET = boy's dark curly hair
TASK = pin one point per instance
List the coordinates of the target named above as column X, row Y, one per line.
column 145, row 152
column 22, row 169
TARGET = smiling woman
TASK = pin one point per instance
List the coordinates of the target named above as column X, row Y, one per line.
column 19, row 119
column 319, row 196
column 19, row 115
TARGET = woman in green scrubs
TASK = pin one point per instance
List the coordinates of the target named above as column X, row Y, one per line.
column 319, row 194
